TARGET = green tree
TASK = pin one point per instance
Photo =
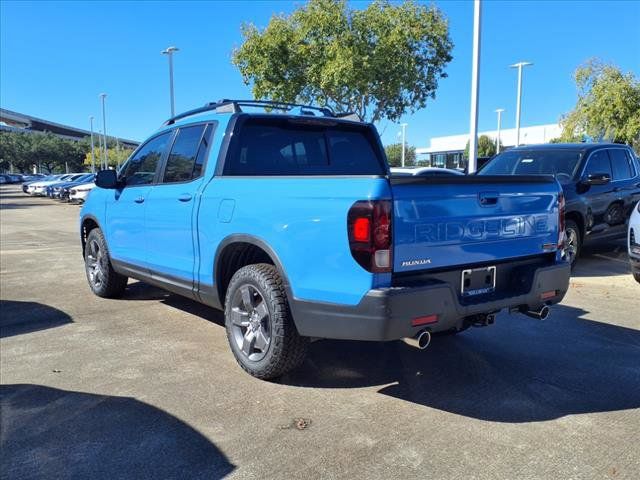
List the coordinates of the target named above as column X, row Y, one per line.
column 44, row 150
column 608, row 106
column 486, row 147
column 394, row 155
column 116, row 155
column 381, row 62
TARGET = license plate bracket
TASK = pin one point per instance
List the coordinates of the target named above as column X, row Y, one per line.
column 478, row 281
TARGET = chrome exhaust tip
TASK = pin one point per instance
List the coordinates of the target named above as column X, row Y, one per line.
column 421, row 340
column 541, row 314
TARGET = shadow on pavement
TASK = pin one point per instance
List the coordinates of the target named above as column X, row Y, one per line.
column 603, row 260
column 17, row 317
column 143, row 291
column 519, row 370
column 51, row 433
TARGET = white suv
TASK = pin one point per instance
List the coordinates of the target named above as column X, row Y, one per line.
column 633, row 242
column 78, row 194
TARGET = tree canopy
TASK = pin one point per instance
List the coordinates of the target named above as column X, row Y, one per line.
column 51, row 153
column 486, row 147
column 46, row 151
column 394, row 155
column 608, row 105
column 381, row 62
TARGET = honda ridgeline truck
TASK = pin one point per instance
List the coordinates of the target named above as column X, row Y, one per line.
column 288, row 219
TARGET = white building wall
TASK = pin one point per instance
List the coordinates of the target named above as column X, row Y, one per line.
column 528, row 136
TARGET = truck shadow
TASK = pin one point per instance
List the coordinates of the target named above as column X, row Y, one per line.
column 604, row 260
column 519, row 370
column 17, row 317
column 52, row 433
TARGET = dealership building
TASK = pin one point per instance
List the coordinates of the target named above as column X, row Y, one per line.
column 448, row 152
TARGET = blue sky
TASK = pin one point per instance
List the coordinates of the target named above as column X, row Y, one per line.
column 56, row 57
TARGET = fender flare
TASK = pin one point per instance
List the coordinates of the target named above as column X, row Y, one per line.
column 258, row 242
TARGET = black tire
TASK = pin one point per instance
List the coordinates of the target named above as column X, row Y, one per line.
column 103, row 280
column 573, row 239
column 264, row 314
column 637, row 276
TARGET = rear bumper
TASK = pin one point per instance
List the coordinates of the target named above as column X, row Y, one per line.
column 387, row 313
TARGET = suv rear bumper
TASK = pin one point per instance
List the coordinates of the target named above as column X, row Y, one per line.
column 387, row 313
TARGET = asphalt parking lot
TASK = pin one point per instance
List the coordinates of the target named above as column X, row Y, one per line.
column 146, row 386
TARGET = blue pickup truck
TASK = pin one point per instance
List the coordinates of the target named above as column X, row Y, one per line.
column 289, row 220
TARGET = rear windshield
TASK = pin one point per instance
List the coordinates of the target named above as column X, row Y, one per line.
column 560, row 163
column 285, row 147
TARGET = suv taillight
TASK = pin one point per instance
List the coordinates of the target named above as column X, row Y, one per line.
column 369, row 227
column 561, row 207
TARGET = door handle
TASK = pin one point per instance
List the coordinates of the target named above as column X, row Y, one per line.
column 139, row 199
column 185, row 197
column 617, row 189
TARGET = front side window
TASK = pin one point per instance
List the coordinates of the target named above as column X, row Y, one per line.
column 599, row 163
column 620, row 164
column 187, row 155
column 141, row 168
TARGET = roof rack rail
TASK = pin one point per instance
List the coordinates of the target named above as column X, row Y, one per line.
column 234, row 106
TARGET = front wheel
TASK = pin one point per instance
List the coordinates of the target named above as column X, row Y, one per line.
column 637, row 276
column 260, row 329
column 103, row 279
column 573, row 242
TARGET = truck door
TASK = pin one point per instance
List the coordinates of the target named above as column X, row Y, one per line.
column 125, row 206
column 598, row 198
column 171, row 212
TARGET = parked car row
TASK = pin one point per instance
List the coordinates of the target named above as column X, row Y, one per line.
column 20, row 178
column 70, row 187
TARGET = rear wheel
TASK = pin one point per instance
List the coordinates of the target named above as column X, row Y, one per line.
column 573, row 242
column 103, row 279
column 637, row 276
column 260, row 329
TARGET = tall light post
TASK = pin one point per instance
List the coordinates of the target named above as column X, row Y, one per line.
column 93, row 154
column 475, row 81
column 519, row 66
column 499, row 112
column 404, row 136
column 169, row 51
column 105, row 155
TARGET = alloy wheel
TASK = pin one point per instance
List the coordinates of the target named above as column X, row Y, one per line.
column 95, row 264
column 250, row 322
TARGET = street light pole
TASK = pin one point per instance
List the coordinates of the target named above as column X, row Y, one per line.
column 105, row 156
column 404, row 136
column 499, row 112
column 519, row 66
column 475, row 80
column 93, row 154
column 169, row 51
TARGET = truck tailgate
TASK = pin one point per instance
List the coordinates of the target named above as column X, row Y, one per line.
column 449, row 221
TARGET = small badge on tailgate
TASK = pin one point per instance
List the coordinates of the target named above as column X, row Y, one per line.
column 413, row 263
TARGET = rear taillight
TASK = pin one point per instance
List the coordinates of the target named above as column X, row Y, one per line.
column 369, row 227
column 561, row 206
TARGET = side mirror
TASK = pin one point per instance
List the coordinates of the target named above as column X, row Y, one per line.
column 597, row 179
column 107, row 179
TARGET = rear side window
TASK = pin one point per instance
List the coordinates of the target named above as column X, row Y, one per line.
column 281, row 147
column 621, row 164
column 141, row 168
column 599, row 163
column 187, row 154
